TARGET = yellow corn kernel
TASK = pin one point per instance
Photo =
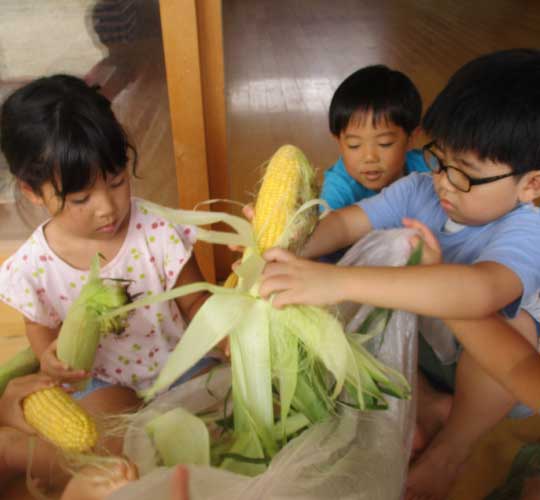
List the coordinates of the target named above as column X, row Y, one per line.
column 57, row 417
column 287, row 184
column 231, row 281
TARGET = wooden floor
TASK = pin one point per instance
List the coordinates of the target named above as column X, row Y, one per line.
column 284, row 59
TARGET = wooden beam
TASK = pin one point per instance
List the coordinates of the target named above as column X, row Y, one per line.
column 210, row 28
column 183, row 68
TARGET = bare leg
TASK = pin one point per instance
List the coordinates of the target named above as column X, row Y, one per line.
column 14, row 457
column 479, row 404
column 433, row 409
column 110, row 401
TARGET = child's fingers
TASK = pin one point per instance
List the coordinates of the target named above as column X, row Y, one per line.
column 278, row 255
column 32, row 383
column 225, row 347
column 248, row 211
column 277, row 283
column 426, row 234
column 180, row 483
column 73, row 376
column 235, row 248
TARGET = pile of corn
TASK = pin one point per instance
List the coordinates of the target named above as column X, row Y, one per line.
column 296, row 362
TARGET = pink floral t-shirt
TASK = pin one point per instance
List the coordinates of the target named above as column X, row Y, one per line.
column 42, row 286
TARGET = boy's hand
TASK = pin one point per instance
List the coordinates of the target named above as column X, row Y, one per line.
column 299, row 281
column 56, row 369
column 11, row 401
column 431, row 253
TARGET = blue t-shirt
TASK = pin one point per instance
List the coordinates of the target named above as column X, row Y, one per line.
column 512, row 240
column 339, row 189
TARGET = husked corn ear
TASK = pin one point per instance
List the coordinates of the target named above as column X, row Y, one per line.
column 231, row 281
column 56, row 416
column 289, row 182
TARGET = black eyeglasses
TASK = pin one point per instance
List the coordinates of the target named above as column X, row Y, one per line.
column 459, row 179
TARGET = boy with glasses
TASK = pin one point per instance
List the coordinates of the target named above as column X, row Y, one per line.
column 477, row 209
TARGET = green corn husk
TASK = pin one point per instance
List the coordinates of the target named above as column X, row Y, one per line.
column 86, row 320
column 23, row 363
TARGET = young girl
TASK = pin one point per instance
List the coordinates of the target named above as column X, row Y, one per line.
column 70, row 155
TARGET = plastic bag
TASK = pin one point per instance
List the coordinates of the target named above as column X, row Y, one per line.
column 356, row 455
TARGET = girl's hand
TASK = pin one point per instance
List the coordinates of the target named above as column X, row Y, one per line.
column 431, row 253
column 56, row 369
column 11, row 401
column 299, row 281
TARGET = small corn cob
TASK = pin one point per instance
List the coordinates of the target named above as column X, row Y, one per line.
column 289, row 182
column 23, row 363
column 84, row 324
column 56, row 416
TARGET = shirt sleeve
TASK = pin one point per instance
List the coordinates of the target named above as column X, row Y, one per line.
column 515, row 245
column 22, row 287
column 335, row 191
column 414, row 161
column 387, row 209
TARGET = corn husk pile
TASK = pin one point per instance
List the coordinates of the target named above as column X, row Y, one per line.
column 291, row 368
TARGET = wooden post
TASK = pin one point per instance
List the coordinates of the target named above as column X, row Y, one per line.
column 193, row 47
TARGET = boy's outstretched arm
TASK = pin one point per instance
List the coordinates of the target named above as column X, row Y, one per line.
column 339, row 229
column 503, row 353
column 440, row 290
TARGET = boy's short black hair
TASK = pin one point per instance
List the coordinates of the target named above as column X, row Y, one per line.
column 58, row 129
column 491, row 106
column 387, row 93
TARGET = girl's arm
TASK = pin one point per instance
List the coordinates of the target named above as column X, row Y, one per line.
column 190, row 304
column 440, row 290
column 43, row 342
column 339, row 229
column 503, row 353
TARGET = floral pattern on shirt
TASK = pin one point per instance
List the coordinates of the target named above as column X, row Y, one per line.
column 42, row 287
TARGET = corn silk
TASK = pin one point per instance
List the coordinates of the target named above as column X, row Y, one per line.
column 259, row 451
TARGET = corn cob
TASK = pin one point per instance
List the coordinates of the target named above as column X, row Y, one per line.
column 289, row 182
column 84, row 323
column 231, row 281
column 56, row 416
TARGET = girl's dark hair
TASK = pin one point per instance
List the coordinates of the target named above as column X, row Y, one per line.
column 58, row 129
column 387, row 93
column 491, row 106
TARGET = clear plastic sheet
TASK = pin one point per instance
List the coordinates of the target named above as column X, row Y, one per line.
column 356, row 455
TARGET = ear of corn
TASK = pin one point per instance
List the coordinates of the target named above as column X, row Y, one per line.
column 57, row 417
column 289, row 181
column 86, row 319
